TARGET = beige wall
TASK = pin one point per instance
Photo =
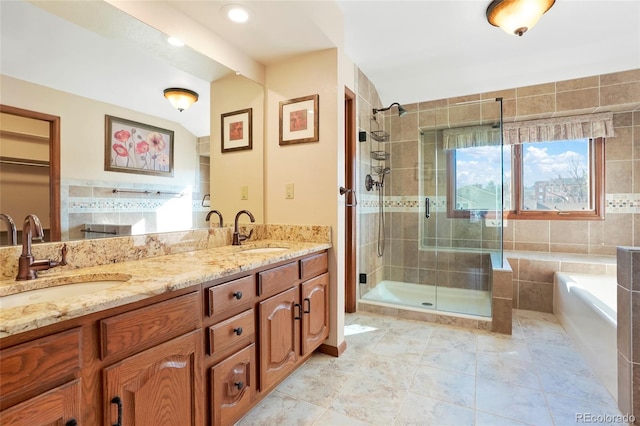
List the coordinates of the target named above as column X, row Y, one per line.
column 231, row 170
column 313, row 168
column 82, row 125
column 82, row 174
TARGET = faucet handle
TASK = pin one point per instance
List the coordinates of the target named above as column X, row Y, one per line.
column 63, row 254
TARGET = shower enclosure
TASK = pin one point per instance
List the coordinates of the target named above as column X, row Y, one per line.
column 436, row 190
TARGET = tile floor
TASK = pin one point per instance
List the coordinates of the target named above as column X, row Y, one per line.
column 402, row 372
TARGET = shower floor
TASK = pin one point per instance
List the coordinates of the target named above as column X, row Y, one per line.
column 430, row 297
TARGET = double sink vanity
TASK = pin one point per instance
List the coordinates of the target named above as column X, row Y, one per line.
column 191, row 338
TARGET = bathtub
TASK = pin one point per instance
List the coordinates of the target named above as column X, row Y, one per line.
column 586, row 307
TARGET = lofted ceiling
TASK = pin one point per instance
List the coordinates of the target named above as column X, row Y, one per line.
column 411, row 50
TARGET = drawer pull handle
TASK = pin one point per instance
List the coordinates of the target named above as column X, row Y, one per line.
column 118, row 401
column 237, row 295
column 239, row 385
column 307, row 310
column 71, row 422
column 238, row 331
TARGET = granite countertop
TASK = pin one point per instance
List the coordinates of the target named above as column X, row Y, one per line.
column 141, row 279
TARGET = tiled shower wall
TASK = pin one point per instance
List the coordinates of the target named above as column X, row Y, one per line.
column 617, row 92
column 163, row 208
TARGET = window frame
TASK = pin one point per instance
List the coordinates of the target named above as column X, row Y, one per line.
column 596, row 185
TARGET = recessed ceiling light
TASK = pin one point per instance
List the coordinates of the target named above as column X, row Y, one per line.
column 175, row 41
column 236, row 13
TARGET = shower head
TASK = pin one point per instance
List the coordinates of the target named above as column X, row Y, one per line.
column 401, row 110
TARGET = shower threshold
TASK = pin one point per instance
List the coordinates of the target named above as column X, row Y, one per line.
column 431, row 298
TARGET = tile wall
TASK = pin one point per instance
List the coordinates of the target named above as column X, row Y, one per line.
column 532, row 283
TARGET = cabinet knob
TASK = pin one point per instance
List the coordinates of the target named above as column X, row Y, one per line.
column 237, row 295
column 238, row 331
column 71, row 422
column 239, row 385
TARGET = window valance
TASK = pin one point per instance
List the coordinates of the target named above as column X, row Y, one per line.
column 466, row 137
column 598, row 125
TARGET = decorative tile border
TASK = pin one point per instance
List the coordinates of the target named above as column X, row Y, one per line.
column 615, row 203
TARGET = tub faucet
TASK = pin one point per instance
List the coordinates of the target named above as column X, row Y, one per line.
column 12, row 233
column 28, row 267
column 219, row 216
column 237, row 237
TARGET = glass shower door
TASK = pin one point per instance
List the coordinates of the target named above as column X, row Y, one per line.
column 461, row 189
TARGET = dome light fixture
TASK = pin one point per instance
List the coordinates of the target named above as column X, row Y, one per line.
column 517, row 16
column 236, row 13
column 181, row 99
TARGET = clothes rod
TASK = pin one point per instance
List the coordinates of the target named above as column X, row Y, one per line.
column 133, row 191
column 21, row 162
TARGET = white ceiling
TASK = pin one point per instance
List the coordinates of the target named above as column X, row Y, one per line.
column 411, row 50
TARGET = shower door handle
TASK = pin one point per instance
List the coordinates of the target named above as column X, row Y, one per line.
column 346, row 191
column 427, row 208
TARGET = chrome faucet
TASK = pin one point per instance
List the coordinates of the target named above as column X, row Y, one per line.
column 237, row 237
column 215, row 212
column 28, row 267
column 12, row 233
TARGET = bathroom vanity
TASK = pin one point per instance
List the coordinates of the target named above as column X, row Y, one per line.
column 188, row 339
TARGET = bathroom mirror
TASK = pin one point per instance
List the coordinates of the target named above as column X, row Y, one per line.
column 35, row 85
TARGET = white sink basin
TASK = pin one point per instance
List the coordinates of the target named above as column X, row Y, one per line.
column 59, row 292
column 264, row 250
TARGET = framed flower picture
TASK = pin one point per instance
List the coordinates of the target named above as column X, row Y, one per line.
column 237, row 133
column 133, row 147
column 299, row 120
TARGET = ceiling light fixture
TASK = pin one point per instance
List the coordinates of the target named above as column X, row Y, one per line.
column 181, row 99
column 236, row 13
column 517, row 16
column 175, row 41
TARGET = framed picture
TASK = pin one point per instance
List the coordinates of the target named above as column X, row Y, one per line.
column 299, row 120
column 237, row 130
column 132, row 147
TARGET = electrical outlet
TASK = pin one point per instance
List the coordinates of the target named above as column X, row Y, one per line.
column 244, row 192
column 289, row 191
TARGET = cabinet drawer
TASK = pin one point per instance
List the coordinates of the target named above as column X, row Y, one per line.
column 227, row 333
column 229, row 295
column 313, row 265
column 149, row 326
column 233, row 386
column 40, row 362
column 277, row 279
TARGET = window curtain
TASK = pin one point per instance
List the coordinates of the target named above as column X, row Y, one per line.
column 590, row 126
column 559, row 129
column 467, row 137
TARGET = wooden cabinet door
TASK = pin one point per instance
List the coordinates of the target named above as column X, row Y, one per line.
column 58, row 407
column 160, row 386
column 315, row 312
column 279, row 341
column 233, row 385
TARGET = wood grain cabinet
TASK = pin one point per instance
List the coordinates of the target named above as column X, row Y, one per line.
column 42, row 371
column 160, row 386
column 198, row 356
column 295, row 322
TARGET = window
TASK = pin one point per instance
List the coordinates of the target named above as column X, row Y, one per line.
column 542, row 180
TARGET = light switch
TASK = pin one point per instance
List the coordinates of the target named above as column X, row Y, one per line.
column 289, row 191
column 244, row 192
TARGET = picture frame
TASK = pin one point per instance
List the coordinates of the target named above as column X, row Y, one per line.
column 299, row 119
column 237, row 130
column 132, row 147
